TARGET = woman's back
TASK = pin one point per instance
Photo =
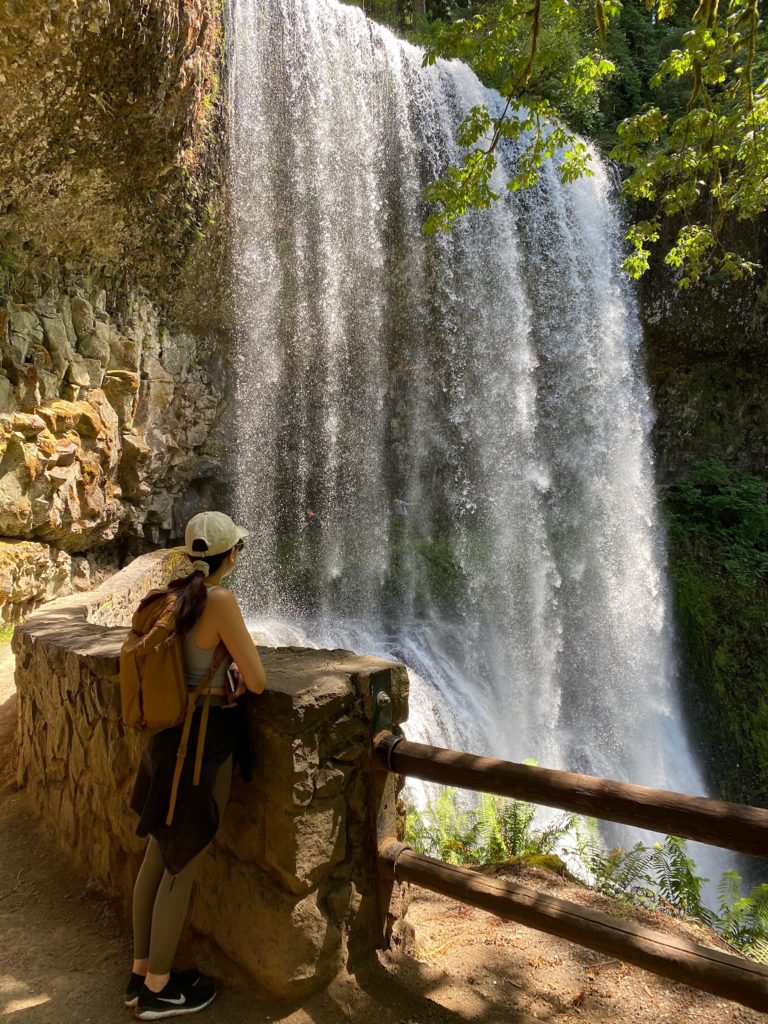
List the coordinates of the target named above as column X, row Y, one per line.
column 221, row 621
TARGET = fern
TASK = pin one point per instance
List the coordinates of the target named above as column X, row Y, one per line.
column 494, row 830
column 622, row 874
column 489, row 821
column 676, row 879
column 516, row 821
column 743, row 920
column 443, row 830
column 551, row 837
column 662, row 877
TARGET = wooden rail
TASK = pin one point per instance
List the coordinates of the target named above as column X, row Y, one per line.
column 730, row 826
column 729, row 977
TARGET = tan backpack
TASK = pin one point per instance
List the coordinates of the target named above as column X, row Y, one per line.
column 153, row 688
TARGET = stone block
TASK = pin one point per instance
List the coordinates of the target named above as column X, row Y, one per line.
column 25, row 329
column 29, row 574
column 56, row 338
column 243, row 830
column 96, row 344
column 65, row 309
column 124, row 353
column 95, row 370
column 285, row 767
column 302, row 848
column 330, row 780
column 346, row 741
column 152, row 369
column 121, row 388
column 154, row 399
column 77, row 372
column 287, row 943
column 178, row 353
column 6, row 393
column 134, row 466
column 82, row 317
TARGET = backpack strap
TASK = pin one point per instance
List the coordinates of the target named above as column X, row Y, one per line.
column 203, row 687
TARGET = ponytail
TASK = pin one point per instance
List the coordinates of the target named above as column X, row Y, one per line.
column 191, row 591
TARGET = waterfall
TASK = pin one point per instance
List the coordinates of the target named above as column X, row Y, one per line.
column 488, row 378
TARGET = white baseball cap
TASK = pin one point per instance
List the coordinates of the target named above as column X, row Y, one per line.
column 217, row 531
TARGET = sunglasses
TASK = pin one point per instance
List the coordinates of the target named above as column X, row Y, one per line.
column 240, row 545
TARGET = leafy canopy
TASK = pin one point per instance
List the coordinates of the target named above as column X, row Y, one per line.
column 698, row 155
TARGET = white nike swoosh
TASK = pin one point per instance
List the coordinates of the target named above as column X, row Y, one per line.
column 174, row 1002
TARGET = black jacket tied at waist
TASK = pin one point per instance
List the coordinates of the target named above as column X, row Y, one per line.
column 196, row 817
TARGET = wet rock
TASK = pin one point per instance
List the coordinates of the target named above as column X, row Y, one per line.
column 62, row 345
column 152, row 369
column 125, row 354
column 6, row 392
column 59, row 473
column 24, row 328
column 55, row 335
column 121, row 388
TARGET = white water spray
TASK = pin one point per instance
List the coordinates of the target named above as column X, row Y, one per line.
column 489, row 378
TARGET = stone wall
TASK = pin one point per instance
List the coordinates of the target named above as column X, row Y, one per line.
column 289, row 888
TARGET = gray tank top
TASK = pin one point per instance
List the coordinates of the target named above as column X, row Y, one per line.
column 197, row 661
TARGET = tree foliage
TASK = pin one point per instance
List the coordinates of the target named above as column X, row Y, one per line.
column 677, row 92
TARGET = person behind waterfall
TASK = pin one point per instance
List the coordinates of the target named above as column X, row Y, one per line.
column 207, row 615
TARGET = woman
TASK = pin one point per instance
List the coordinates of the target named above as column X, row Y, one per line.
column 207, row 615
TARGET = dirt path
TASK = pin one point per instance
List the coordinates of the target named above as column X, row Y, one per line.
column 64, row 952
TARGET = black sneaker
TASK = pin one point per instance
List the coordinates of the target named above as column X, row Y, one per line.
column 175, row 999
column 188, row 977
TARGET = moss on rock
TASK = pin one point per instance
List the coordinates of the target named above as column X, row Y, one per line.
column 718, row 529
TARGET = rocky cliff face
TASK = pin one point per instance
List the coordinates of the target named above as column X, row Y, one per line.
column 706, row 358
column 108, row 423
column 111, row 354
column 108, row 109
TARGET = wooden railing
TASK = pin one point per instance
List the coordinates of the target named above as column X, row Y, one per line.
column 730, row 826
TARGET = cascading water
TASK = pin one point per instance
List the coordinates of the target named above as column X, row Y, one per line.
column 489, row 378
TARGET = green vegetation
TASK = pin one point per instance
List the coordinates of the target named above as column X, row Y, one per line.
column 662, row 877
column 431, row 564
column 6, row 634
column 718, row 536
column 677, row 92
column 493, row 830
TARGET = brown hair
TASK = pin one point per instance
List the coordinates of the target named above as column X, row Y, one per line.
column 191, row 591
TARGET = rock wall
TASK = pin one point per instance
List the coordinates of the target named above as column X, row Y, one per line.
column 112, row 364
column 109, row 429
column 705, row 353
column 110, row 116
column 289, row 887
column 706, row 357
